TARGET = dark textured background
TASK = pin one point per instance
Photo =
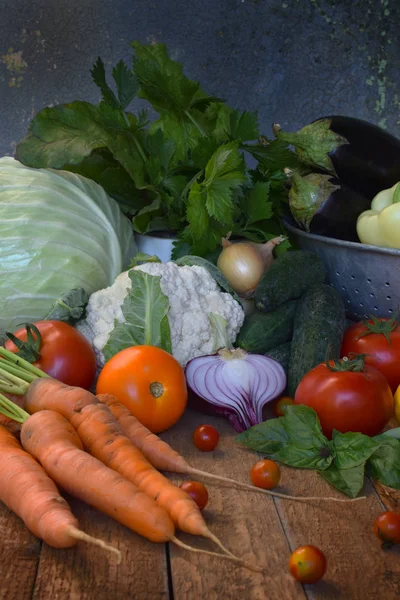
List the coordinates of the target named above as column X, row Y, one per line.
column 292, row 60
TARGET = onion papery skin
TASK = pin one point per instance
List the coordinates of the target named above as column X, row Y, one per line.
column 234, row 384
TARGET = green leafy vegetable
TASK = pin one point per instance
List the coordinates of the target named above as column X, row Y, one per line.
column 183, row 172
column 297, row 440
column 349, row 481
column 70, row 307
column 141, row 258
column 145, row 309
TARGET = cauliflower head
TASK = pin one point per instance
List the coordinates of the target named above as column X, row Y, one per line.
column 192, row 293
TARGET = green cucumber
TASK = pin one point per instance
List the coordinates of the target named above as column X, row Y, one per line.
column 281, row 354
column 263, row 331
column 319, row 325
column 289, row 276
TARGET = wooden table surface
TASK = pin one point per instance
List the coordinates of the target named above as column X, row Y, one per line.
column 252, row 525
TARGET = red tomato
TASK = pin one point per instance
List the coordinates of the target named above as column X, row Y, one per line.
column 205, row 438
column 197, row 491
column 150, row 382
column 65, row 353
column 387, row 528
column 347, row 400
column 381, row 353
column 265, row 474
column 307, row 564
column 281, row 404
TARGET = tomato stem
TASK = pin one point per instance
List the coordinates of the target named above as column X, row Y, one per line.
column 354, row 362
column 156, row 389
column 385, row 327
column 29, row 350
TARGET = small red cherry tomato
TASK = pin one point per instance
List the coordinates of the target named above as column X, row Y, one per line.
column 205, row 438
column 387, row 528
column 265, row 474
column 307, row 564
column 197, row 491
column 282, row 404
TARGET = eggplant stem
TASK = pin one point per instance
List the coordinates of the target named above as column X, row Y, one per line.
column 253, row 488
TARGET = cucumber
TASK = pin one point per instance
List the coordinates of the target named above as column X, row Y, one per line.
column 263, row 331
column 319, row 323
column 281, row 354
column 288, row 277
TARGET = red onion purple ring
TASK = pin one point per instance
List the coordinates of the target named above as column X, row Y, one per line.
column 236, row 384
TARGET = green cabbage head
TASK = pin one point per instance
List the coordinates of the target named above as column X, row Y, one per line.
column 58, row 231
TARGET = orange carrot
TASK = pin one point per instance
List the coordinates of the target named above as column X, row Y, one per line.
column 102, row 436
column 163, row 457
column 51, row 439
column 28, row 492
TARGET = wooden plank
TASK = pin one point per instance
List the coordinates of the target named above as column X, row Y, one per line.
column 19, row 557
column 390, row 497
column 247, row 523
column 87, row 572
column 357, row 567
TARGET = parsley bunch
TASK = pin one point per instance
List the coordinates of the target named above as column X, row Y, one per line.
column 184, row 172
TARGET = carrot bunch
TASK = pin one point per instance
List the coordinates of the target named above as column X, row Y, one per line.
column 82, row 447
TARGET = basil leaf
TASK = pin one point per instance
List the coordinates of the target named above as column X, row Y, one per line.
column 384, row 464
column 145, row 309
column 295, row 439
column 352, row 449
column 268, row 437
column 303, row 427
column 304, row 458
column 348, row 481
column 70, row 307
column 198, row 261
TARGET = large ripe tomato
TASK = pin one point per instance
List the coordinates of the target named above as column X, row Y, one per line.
column 346, row 400
column 148, row 381
column 379, row 340
column 65, row 353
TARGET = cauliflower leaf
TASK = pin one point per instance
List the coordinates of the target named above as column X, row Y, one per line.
column 145, row 309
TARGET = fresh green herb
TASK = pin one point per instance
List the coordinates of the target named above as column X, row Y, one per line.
column 183, row 173
column 141, row 258
column 145, row 309
column 296, row 439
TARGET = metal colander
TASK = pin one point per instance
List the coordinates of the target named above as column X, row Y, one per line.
column 367, row 277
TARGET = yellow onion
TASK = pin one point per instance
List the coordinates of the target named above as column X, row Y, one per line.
column 243, row 263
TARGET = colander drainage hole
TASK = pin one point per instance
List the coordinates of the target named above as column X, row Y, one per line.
column 357, row 291
column 337, row 273
column 343, row 288
column 388, row 297
column 372, row 295
column 375, row 308
column 387, row 283
column 361, row 303
column 369, row 280
column 390, row 310
column 353, row 277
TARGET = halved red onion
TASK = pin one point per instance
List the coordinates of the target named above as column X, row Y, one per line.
column 236, row 384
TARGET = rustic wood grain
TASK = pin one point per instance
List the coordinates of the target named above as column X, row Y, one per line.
column 357, row 567
column 390, row 497
column 89, row 573
column 248, row 523
column 19, row 557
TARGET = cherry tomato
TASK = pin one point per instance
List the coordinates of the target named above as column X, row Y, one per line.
column 282, row 404
column 148, row 381
column 382, row 352
column 197, row 491
column 307, row 564
column 346, row 400
column 65, row 353
column 205, row 438
column 265, row 474
column 387, row 528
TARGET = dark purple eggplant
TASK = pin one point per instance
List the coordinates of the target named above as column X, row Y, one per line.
column 370, row 162
column 324, row 205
